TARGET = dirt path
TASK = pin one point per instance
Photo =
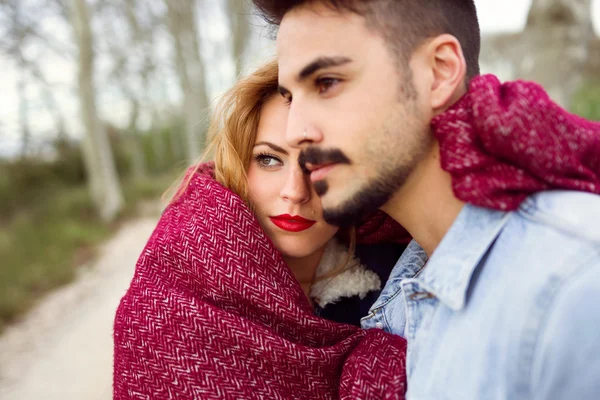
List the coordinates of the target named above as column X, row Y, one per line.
column 63, row 348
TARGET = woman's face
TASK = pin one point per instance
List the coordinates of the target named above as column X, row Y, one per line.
column 285, row 202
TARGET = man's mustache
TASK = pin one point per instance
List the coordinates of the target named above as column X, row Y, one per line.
column 316, row 156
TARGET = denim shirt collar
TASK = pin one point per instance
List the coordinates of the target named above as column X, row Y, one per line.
column 408, row 266
column 451, row 266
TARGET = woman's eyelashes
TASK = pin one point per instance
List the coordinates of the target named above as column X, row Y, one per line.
column 267, row 161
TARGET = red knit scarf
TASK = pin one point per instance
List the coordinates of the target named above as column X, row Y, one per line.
column 504, row 142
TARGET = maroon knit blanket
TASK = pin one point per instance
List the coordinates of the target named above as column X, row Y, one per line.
column 504, row 142
column 214, row 313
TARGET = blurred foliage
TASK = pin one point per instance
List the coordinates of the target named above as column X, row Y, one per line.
column 586, row 101
column 40, row 246
column 164, row 148
column 25, row 182
column 48, row 225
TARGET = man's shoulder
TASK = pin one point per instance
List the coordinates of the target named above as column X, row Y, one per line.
column 548, row 252
column 543, row 251
column 575, row 214
column 540, row 285
column 566, row 361
column 553, row 235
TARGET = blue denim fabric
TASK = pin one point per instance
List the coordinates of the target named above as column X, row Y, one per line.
column 507, row 307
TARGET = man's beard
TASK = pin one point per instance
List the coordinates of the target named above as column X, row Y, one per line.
column 402, row 159
column 369, row 198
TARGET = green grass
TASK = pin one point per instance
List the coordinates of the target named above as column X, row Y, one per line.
column 586, row 101
column 41, row 247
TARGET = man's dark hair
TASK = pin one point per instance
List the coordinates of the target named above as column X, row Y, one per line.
column 404, row 24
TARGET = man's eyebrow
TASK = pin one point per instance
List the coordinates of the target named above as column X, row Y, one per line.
column 272, row 146
column 320, row 63
column 314, row 66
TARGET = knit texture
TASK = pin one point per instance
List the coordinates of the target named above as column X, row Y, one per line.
column 378, row 227
column 213, row 312
column 504, row 142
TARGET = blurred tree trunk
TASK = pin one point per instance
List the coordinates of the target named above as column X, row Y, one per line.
column 14, row 45
column 23, row 110
column 18, row 35
column 239, row 12
column 51, row 105
column 159, row 150
column 138, row 162
column 101, row 171
column 556, row 43
column 190, row 70
column 139, row 168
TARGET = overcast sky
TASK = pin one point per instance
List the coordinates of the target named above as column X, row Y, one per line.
column 494, row 16
column 504, row 15
column 510, row 15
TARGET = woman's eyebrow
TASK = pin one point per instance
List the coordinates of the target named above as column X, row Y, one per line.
column 272, row 146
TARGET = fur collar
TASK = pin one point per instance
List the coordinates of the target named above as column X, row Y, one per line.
column 356, row 280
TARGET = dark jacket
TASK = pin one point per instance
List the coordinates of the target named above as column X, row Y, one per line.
column 379, row 258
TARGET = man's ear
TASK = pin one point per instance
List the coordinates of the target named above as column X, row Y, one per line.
column 449, row 69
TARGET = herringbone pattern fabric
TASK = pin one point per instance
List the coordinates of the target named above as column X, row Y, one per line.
column 214, row 313
column 504, row 142
column 378, row 227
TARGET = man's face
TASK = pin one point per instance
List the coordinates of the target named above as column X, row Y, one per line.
column 354, row 110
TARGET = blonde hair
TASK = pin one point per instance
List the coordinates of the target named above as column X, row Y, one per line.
column 233, row 131
column 233, row 128
column 232, row 134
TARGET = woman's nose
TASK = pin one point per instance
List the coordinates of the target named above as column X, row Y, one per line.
column 296, row 188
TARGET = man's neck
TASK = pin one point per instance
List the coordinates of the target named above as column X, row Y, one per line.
column 426, row 205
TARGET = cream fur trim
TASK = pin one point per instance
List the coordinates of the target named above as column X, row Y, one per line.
column 356, row 280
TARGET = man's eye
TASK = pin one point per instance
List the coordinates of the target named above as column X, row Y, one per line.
column 324, row 84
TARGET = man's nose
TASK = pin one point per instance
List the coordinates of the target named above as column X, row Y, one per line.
column 300, row 130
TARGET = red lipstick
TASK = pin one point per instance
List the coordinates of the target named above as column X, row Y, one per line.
column 292, row 223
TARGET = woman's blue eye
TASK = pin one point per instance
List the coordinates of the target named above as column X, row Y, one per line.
column 267, row 161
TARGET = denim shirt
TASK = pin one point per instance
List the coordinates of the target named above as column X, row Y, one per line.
column 507, row 307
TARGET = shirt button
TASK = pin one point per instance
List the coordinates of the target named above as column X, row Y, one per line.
column 379, row 325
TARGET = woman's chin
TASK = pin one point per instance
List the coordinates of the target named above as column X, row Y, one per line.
column 301, row 244
column 295, row 252
column 297, row 248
